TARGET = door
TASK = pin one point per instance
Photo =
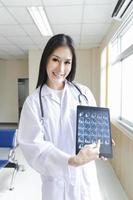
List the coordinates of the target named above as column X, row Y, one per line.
column 23, row 92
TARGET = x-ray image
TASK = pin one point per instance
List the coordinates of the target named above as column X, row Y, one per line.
column 81, row 138
column 93, row 123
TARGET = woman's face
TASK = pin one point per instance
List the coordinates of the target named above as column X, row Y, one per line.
column 58, row 67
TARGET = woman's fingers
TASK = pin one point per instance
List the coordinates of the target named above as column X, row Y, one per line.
column 97, row 148
column 94, row 148
column 113, row 142
column 98, row 144
column 93, row 145
column 103, row 158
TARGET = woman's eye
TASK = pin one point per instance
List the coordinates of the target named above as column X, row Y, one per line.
column 55, row 59
column 67, row 63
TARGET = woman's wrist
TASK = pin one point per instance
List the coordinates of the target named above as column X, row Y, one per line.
column 73, row 161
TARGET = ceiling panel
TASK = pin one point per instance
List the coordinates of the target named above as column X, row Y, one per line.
column 21, row 14
column 41, row 46
column 40, row 39
column 31, row 29
column 11, row 30
column 86, row 21
column 89, row 38
column 29, row 46
column 76, row 38
column 88, row 45
column 21, row 2
column 100, row 1
column 64, row 15
column 102, row 16
column 62, row 3
column 95, row 29
column 72, row 29
column 5, row 17
column 21, row 40
column 3, row 41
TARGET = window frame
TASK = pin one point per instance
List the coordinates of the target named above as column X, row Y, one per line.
column 122, row 55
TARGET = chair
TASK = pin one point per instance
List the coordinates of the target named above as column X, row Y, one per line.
column 7, row 152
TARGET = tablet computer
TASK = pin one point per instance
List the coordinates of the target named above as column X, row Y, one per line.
column 93, row 123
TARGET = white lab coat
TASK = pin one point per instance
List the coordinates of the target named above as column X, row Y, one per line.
column 48, row 146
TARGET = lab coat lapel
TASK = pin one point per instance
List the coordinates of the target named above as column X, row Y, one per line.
column 46, row 93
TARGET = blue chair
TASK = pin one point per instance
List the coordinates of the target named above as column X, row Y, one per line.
column 7, row 152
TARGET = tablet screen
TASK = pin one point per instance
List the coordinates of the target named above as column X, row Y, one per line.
column 93, row 123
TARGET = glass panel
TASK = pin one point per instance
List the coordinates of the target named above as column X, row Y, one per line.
column 114, row 89
column 114, row 51
column 127, row 89
column 103, row 78
column 127, row 39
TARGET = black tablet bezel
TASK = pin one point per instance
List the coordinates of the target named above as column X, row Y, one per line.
column 79, row 107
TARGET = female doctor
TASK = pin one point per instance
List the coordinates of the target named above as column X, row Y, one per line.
column 47, row 128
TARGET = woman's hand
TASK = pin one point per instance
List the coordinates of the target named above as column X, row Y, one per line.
column 113, row 142
column 88, row 153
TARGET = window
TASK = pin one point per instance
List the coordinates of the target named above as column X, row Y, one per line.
column 127, row 90
column 114, row 90
column 120, row 87
column 127, row 39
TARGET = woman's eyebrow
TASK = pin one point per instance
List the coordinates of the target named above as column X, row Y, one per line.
column 69, row 59
column 55, row 56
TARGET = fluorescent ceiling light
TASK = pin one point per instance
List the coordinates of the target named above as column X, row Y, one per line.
column 39, row 16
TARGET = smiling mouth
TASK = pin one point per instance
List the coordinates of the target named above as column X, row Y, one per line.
column 58, row 75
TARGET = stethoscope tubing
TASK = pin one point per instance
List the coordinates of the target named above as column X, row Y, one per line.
column 79, row 97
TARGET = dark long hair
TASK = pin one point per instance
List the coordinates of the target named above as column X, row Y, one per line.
column 53, row 43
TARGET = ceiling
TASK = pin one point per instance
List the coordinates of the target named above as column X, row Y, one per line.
column 87, row 21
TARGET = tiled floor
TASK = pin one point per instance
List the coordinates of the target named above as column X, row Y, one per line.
column 28, row 183
column 109, row 183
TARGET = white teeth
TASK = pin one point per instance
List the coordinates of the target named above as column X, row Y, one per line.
column 58, row 75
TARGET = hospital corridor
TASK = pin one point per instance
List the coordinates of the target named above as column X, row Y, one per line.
column 66, row 117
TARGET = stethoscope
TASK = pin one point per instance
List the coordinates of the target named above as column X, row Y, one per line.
column 81, row 96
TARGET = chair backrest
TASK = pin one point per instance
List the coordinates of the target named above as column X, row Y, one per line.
column 7, row 138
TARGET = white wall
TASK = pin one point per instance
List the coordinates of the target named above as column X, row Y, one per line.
column 87, row 69
column 10, row 71
column 34, row 61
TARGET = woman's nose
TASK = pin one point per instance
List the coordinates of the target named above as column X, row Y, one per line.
column 61, row 66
